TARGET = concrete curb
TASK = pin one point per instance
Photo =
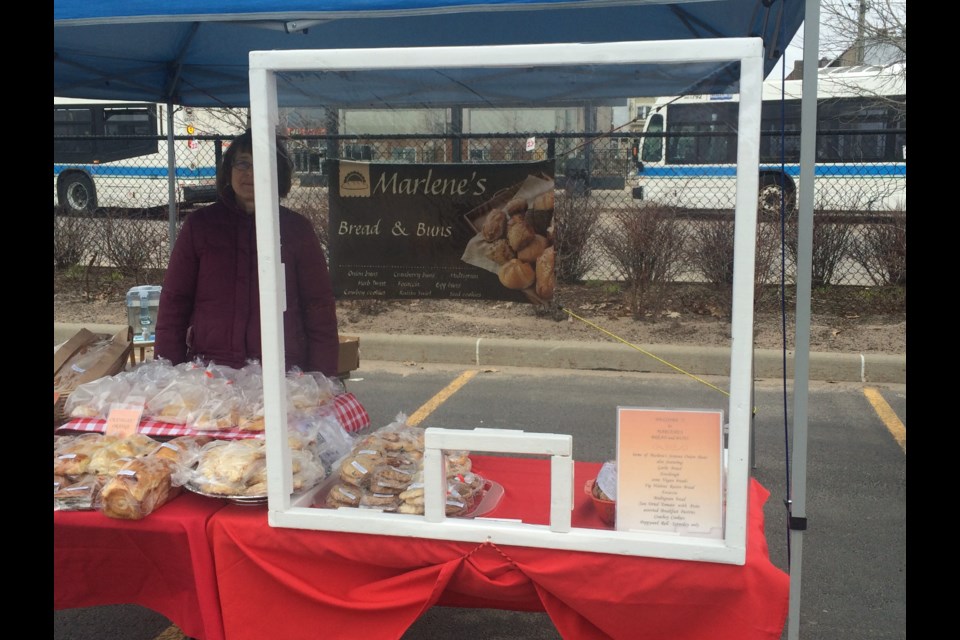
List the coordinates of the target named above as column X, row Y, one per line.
column 605, row 356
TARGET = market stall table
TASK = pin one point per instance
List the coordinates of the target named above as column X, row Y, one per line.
column 162, row 562
column 292, row 583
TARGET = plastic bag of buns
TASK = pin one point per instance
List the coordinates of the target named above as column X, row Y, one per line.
column 227, row 467
column 177, row 400
column 112, row 452
column 139, row 488
column 93, row 399
column 183, row 450
column 219, row 408
column 81, row 493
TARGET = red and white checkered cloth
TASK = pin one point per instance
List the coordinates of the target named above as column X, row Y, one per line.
column 351, row 414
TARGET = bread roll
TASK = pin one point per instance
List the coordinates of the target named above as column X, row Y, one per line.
column 138, row 489
column 184, row 450
column 514, row 206
column 546, row 274
column 544, row 201
column 495, row 226
column 534, row 249
column 500, row 252
column 516, row 274
column 71, row 464
column 520, row 233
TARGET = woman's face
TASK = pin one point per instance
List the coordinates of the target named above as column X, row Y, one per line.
column 241, row 179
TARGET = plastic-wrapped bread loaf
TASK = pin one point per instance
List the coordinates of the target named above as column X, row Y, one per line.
column 139, row 488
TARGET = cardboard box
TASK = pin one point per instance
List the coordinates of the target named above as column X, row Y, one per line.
column 85, row 357
column 349, row 357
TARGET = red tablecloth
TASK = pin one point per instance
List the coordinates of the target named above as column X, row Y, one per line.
column 162, row 562
column 292, row 583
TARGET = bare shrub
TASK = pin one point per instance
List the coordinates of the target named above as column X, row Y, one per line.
column 135, row 246
column 71, row 239
column 711, row 252
column 831, row 246
column 881, row 249
column 574, row 225
column 646, row 246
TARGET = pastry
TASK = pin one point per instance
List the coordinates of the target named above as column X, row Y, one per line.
column 71, row 464
column 544, row 201
column 343, row 495
column 457, row 462
column 384, row 501
column 495, row 226
column 546, row 274
column 81, row 495
column 355, row 469
column 138, row 489
column 533, row 250
column 514, row 206
column 520, row 233
column 413, row 496
column 500, row 252
column 184, row 450
column 387, row 479
column 406, row 507
column 516, row 274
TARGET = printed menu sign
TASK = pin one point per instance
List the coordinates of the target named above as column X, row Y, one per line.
column 124, row 417
column 443, row 231
column 670, row 471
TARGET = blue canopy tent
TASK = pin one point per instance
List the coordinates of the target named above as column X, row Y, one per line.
column 197, row 54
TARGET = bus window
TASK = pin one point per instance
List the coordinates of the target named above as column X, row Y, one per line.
column 103, row 121
column 653, row 145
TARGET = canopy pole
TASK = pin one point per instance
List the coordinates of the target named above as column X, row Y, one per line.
column 801, row 375
column 171, row 183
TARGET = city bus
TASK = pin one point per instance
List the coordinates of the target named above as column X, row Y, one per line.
column 114, row 154
column 687, row 157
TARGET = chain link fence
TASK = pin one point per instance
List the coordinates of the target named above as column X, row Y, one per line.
column 678, row 234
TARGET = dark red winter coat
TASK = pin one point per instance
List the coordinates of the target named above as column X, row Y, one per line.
column 210, row 301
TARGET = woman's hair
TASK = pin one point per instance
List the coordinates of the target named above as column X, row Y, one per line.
column 244, row 142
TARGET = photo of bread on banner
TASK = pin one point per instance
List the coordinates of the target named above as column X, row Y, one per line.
column 515, row 238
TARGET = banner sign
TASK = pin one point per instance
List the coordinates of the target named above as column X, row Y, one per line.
column 442, row 231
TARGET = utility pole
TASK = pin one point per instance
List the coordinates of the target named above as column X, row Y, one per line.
column 861, row 22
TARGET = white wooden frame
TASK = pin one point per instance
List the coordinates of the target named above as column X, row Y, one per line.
column 287, row 510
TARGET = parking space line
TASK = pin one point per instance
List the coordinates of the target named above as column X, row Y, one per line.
column 888, row 416
column 431, row 405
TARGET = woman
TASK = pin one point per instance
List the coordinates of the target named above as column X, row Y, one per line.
column 210, row 301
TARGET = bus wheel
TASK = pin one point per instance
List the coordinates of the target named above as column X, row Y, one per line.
column 773, row 194
column 77, row 194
